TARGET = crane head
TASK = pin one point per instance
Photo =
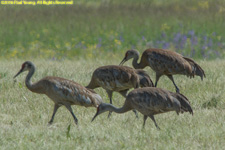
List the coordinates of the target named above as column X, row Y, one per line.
column 128, row 55
column 100, row 109
column 25, row 67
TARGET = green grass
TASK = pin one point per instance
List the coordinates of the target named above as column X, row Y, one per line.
column 72, row 41
column 91, row 28
column 24, row 115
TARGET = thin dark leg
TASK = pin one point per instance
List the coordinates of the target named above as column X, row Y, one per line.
column 135, row 112
column 110, row 93
column 157, row 79
column 71, row 111
column 171, row 78
column 145, row 117
column 124, row 94
column 53, row 115
column 153, row 119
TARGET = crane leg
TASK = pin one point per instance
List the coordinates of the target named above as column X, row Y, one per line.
column 71, row 111
column 157, row 79
column 145, row 117
column 53, row 115
column 135, row 112
column 171, row 78
column 110, row 99
column 153, row 119
column 124, row 94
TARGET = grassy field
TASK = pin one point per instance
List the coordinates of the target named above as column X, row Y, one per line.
column 24, row 115
column 72, row 41
column 91, row 28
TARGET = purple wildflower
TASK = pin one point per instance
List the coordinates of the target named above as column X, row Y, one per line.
column 163, row 35
column 191, row 33
column 53, row 58
column 78, row 45
column 183, row 41
column 204, row 47
column 166, row 45
column 210, row 43
column 177, row 37
column 99, row 43
column 205, row 39
column 194, row 40
column 121, row 38
column 143, row 38
column 214, row 34
column 217, row 53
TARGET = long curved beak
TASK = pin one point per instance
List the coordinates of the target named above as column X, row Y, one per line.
column 21, row 70
column 123, row 61
column 95, row 116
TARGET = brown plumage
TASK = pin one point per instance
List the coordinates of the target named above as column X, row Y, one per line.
column 60, row 91
column 165, row 62
column 145, row 80
column 150, row 101
column 119, row 78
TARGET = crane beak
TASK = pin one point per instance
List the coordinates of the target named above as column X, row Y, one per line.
column 97, row 113
column 94, row 117
column 123, row 61
column 21, row 70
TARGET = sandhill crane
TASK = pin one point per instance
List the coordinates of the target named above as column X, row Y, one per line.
column 150, row 101
column 60, row 91
column 165, row 62
column 119, row 79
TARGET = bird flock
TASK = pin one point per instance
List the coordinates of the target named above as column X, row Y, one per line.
column 145, row 98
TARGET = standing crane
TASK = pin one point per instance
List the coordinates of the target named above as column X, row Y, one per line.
column 150, row 101
column 165, row 62
column 119, row 79
column 60, row 91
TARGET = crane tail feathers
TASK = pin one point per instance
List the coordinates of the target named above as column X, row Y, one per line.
column 145, row 80
column 196, row 69
column 199, row 71
column 185, row 104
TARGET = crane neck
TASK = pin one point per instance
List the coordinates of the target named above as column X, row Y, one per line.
column 28, row 78
column 123, row 109
column 135, row 63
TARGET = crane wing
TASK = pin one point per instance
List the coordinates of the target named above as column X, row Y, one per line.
column 72, row 92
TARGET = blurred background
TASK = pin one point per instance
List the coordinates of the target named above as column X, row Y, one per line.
column 94, row 29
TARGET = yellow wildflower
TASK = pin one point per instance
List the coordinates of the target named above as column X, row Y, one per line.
column 117, row 42
column 165, row 27
column 203, row 4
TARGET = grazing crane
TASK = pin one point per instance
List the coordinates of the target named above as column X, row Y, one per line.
column 150, row 101
column 60, row 91
column 119, row 79
column 165, row 62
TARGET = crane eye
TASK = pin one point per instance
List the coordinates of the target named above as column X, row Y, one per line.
column 23, row 65
column 126, row 54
